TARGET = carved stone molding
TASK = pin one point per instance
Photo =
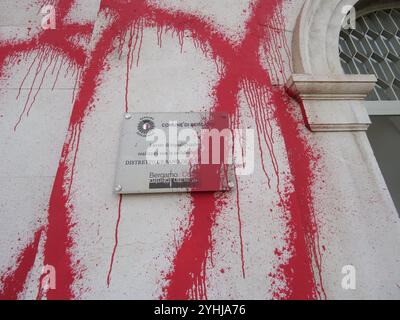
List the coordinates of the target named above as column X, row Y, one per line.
column 333, row 102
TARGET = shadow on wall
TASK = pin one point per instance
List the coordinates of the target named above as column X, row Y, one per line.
column 384, row 135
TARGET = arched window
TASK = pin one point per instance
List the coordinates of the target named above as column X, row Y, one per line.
column 373, row 47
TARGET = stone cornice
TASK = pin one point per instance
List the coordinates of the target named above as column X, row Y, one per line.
column 331, row 87
column 333, row 102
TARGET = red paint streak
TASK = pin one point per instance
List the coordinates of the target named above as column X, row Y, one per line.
column 236, row 123
column 187, row 279
column 302, row 236
column 56, row 40
column 116, row 242
column 76, row 138
column 134, row 30
column 50, row 44
column 40, row 87
column 38, row 69
column 191, row 259
column 58, row 242
column 128, row 69
column 26, row 75
column 240, row 226
column 300, row 283
column 13, row 282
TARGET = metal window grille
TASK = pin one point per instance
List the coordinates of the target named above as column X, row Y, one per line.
column 374, row 48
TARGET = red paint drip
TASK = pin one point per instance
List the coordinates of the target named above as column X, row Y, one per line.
column 13, row 282
column 188, row 279
column 52, row 43
column 116, row 242
column 240, row 226
column 58, row 244
column 237, row 125
column 301, row 282
column 302, row 237
column 135, row 29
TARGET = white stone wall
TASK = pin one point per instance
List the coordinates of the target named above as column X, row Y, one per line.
column 351, row 210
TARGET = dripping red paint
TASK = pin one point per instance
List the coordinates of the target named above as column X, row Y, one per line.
column 187, row 277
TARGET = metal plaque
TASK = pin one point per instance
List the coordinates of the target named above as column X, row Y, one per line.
column 157, row 150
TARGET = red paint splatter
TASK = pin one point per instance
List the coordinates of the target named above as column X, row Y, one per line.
column 115, row 243
column 13, row 281
column 188, row 279
column 240, row 225
column 52, row 43
column 300, row 281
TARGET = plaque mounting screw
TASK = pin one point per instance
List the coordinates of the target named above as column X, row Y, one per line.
column 128, row 116
column 118, row 188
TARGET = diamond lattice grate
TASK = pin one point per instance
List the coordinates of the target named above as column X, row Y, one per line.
column 374, row 48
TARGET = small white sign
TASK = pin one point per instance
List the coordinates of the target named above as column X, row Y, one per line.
column 173, row 152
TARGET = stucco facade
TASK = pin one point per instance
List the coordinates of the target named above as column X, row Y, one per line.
column 316, row 202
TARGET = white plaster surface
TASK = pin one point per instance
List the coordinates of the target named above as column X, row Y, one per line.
column 357, row 219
